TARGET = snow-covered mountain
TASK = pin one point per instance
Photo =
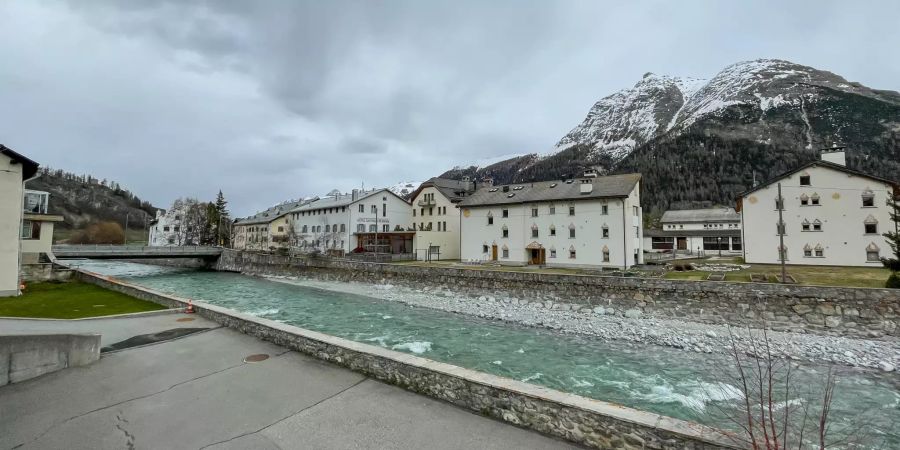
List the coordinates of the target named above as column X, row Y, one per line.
column 405, row 188
column 664, row 105
column 699, row 141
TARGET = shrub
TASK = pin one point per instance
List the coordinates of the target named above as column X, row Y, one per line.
column 99, row 233
column 893, row 281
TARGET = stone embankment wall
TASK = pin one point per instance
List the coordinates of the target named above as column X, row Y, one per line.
column 863, row 312
column 45, row 272
column 588, row 422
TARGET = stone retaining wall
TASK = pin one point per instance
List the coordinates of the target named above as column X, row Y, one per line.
column 861, row 312
column 578, row 419
column 26, row 356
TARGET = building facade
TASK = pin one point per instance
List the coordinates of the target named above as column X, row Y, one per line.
column 592, row 222
column 435, row 217
column 362, row 221
column 712, row 231
column 15, row 169
column 267, row 230
column 37, row 227
column 831, row 215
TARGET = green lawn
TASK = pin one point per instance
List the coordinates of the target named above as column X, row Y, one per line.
column 71, row 300
column 810, row 275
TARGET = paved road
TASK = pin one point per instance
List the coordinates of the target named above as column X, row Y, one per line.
column 196, row 392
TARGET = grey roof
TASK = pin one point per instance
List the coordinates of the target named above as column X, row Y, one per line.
column 701, row 215
column 341, row 200
column 454, row 190
column 29, row 167
column 272, row 213
column 610, row 186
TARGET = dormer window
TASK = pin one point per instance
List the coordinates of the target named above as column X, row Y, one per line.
column 804, row 179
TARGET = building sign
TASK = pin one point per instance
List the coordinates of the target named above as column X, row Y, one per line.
column 373, row 220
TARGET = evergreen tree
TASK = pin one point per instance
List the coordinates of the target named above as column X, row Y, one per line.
column 221, row 220
column 893, row 238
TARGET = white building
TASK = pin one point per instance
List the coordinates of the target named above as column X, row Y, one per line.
column 711, row 231
column 37, row 227
column 265, row 230
column 592, row 222
column 435, row 217
column 832, row 215
column 359, row 222
column 15, row 169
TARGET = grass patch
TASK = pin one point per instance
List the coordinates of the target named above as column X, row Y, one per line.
column 874, row 277
column 71, row 300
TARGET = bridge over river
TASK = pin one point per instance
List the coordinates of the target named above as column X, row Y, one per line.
column 134, row 252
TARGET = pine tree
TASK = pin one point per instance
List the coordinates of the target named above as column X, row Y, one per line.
column 222, row 218
column 893, row 238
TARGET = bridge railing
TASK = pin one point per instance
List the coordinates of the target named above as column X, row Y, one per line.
column 101, row 248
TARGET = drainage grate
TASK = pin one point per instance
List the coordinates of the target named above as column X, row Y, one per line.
column 185, row 319
column 256, row 358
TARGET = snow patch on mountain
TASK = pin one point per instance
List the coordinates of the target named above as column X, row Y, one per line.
column 405, row 188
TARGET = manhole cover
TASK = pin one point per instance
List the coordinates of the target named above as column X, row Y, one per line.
column 185, row 319
column 256, row 358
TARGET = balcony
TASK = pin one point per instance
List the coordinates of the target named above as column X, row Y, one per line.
column 426, row 202
column 36, row 202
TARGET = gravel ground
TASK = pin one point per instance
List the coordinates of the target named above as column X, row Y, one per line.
column 629, row 326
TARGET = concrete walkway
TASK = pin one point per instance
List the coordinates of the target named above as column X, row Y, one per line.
column 196, row 392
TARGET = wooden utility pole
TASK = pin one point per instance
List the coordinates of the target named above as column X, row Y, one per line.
column 781, row 228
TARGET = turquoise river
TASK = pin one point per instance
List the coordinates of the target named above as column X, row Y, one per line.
column 691, row 386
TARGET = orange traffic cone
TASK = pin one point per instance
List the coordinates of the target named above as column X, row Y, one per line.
column 190, row 308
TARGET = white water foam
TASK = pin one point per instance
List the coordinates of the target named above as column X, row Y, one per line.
column 387, row 317
column 417, row 347
column 581, row 383
column 521, row 350
column 264, row 312
column 697, row 397
column 532, row 377
column 381, row 340
column 497, row 362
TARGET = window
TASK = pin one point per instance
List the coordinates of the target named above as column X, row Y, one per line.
column 305, row 229
column 868, row 199
column 782, row 253
column 804, row 200
column 637, row 232
column 871, row 228
column 779, row 228
column 805, row 225
column 362, row 208
column 343, row 228
column 372, row 228
column 328, row 228
column 374, row 209
column 820, row 252
column 166, row 228
column 635, row 213
column 873, row 253
column 552, row 230
column 534, row 212
column 490, row 219
column 505, row 213
column 505, row 232
column 177, row 228
column 804, row 180
column 572, row 253
column 385, row 228
column 605, row 254
column 736, row 243
column 571, row 210
column 552, row 210
column 814, row 199
column 414, row 212
column 421, row 211
column 604, row 209
column 779, row 203
column 715, row 243
column 572, row 232
column 817, row 225
column 31, row 229
column 171, row 240
column 484, row 249
column 807, row 252
column 553, row 253
column 445, row 226
column 662, row 243
column 605, row 232
column 534, row 232
column 505, row 252
column 430, row 211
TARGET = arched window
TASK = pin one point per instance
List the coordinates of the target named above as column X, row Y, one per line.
column 605, row 254
column 505, row 252
column 505, row 232
column 534, row 231
column 804, row 199
column 871, row 225
column 572, row 252
column 328, row 228
column 553, row 252
column 552, row 230
column 360, row 228
column 814, row 199
column 873, row 253
column 343, row 228
column 572, row 231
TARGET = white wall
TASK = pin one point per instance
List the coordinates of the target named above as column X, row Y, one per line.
column 840, row 211
column 588, row 222
column 11, row 195
column 447, row 240
column 31, row 248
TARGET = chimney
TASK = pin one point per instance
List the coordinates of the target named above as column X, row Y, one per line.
column 468, row 184
column 834, row 155
column 354, row 195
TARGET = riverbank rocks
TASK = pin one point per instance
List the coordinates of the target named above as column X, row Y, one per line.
column 633, row 313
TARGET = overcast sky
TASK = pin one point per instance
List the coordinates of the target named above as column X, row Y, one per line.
column 274, row 100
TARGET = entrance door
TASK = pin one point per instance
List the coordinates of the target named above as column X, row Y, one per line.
column 682, row 243
column 494, row 252
column 535, row 257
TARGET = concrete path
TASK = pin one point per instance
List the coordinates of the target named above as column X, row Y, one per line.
column 196, row 392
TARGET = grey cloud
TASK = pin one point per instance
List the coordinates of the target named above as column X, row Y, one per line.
column 285, row 98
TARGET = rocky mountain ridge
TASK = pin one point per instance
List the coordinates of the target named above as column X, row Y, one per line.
column 699, row 142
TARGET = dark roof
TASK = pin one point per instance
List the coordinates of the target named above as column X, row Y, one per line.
column 826, row 164
column 701, row 215
column 29, row 167
column 610, row 186
column 685, row 233
column 454, row 190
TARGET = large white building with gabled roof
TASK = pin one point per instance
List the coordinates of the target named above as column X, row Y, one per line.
column 592, row 222
column 831, row 215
